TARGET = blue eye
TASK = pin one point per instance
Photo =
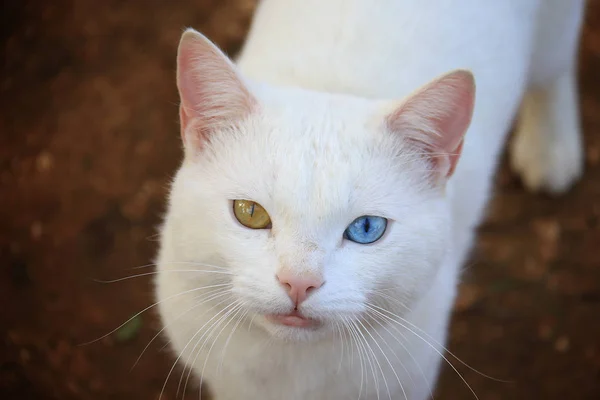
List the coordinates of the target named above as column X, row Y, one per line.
column 366, row 229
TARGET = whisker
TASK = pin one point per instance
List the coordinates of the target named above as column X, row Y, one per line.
column 181, row 354
column 211, row 296
column 351, row 348
column 354, row 337
column 153, row 238
column 251, row 321
column 229, row 317
column 368, row 346
column 206, row 311
column 442, row 346
column 190, row 365
column 360, row 338
column 146, row 309
column 430, row 345
column 376, row 319
column 144, row 266
column 216, row 326
column 240, row 319
column 387, row 359
column 160, row 272
column 339, row 332
column 195, row 263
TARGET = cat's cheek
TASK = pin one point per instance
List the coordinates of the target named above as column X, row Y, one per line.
column 405, row 266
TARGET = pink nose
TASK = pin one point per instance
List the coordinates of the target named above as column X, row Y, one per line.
column 298, row 288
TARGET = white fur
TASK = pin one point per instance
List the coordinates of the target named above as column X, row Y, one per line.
column 312, row 148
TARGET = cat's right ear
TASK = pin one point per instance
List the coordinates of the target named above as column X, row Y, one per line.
column 213, row 95
column 435, row 119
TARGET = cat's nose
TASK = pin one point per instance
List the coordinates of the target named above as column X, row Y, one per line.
column 298, row 288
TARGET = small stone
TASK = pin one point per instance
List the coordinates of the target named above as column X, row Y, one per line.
column 590, row 352
column 96, row 385
column 25, row 356
column 36, row 230
column 13, row 337
column 58, row 355
column 548, row 230
column 553, row 282
column 79, row 365
column 44, row 161
column 467, row 297
column 460, row 330
column 562, row 344
column 15, row 248
column 545, row 331
column 534, row 269
column 73, row 387
column 548, row 233
column 136, row 207
column 593, row 155
column 493, row 333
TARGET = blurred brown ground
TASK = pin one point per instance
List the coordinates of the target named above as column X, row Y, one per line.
column 89, row 139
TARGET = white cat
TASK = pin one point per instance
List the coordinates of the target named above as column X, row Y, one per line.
column 317, row 227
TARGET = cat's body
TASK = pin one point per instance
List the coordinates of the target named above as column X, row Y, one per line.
column 316, row 161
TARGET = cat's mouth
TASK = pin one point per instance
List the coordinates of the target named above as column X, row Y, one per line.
column 294, row 319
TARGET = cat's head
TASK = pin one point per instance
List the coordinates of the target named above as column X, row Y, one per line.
column 308, row 210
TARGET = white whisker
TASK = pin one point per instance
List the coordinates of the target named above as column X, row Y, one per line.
column 193, row 263
column 387, row 359
column 240, row 319
column 442, row 346
column 352, row 334
column 160, row 272
column 206, row 335
column 237, row 309
column 148, row 308
column 368, row 346
column 211, row 296
column 181, row 354
column 339, row 332
column 377, row 318
column 429, row 344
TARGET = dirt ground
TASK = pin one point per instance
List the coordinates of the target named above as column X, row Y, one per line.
column 89, row 139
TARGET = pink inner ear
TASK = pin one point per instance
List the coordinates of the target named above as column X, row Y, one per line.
column 212, row 93
column 184, row 122
column 437, row 117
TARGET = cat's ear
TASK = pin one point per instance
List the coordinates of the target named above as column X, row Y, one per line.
column 213, row 95
column 435, row 118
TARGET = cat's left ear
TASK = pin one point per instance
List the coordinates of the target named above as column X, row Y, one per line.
column 213, row 94
column 436, row 117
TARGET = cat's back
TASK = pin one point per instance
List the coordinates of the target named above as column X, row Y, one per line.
column 384, row 48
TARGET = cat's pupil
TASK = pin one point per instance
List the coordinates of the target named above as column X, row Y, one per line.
column 367, row 225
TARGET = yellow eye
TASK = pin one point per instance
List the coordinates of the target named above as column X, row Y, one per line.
column 251, row 214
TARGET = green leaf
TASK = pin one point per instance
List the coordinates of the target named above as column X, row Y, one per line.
column 130, row 330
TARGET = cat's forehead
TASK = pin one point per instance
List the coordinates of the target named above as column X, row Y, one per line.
column 314, row 141
column 320, row 127
column 314, row 159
